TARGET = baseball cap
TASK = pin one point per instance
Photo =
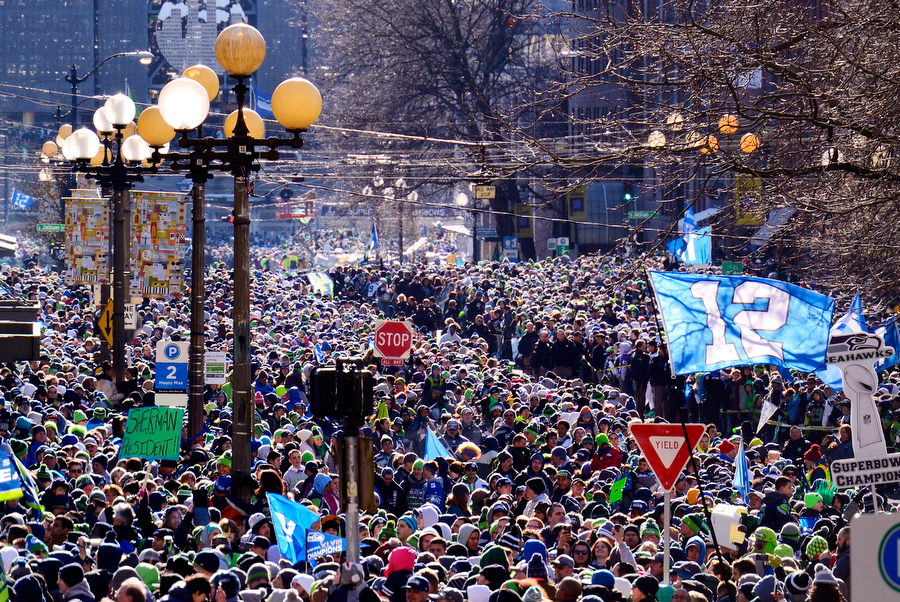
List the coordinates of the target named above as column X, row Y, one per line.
column 418, row 583
column 564, row 560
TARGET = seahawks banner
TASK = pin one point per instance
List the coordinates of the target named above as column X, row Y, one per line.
column 10, row 484
column 322, row 544
column 715, row 322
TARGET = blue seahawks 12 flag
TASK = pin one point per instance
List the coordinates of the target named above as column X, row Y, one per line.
column 716, row 322
column 292, row 522
column 20, row 201
column 434, row 448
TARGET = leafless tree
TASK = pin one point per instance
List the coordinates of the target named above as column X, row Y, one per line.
column 761, row 105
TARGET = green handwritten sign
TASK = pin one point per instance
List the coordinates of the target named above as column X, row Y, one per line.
column 153, row 433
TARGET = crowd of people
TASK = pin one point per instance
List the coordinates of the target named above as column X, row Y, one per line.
column 528, row 374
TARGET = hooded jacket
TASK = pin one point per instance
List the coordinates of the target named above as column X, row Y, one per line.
column 79, row 591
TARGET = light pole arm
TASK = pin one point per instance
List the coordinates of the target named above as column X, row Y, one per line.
column 73, row 78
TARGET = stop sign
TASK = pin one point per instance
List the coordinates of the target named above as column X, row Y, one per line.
column 393, row 339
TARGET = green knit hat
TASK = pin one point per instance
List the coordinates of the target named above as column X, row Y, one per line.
column 225, row 460
column 18, row 447
column 816, row 546
column 35, row 545
column 696, row 522
column 307, row 456
column 650, row 527
column 811, row 499
column 43, row 473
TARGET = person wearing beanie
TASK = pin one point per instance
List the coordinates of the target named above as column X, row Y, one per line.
column 814, row 466
column 537, row 568
column 727, row 451
column 650, row 531
column 258, row 576
column 814, row 505
column 72, row 585
column 644, row 587
column 796, row 586
column 36, row 546
column 815, row 547
column 693, row 524
column 228, row 582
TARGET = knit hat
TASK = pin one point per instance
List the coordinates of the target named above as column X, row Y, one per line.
column 149, row 574
column 725, row 447
column 35, row 545
column 257, row 571
column 228, row 582
column 650, row 528
column 790, row 531
column 824, row 575
column 225, row 460
column 813, row 454
column 797, row 584
column 71, row 574
column 647, row 584
column 783, row 550
column 815, row 546
column 537, row 568
column 419, row 463
column 533, row 594
column 696, row 522
column 536, row 484
column 43, row 473
column 18, row 447
column 389, row 530
column 602, row 439
column 495, row 575
column 811, row 499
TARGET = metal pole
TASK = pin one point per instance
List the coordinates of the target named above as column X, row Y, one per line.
column 198, row 297
column 121, row 227
column 476, row 255
column 73, row 73
column 106, row 193
column 243, row 401
column 667, row 524
column 350, row 476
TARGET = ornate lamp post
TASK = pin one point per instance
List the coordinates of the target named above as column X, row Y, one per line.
column 183, row 107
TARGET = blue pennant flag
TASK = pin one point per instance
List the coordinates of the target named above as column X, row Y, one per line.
column 322, row 544
column 716, row 322
column 291, row 521
column 696, row 247
column 20, row 201
column 850, row 323
column 373, row 240
column 689, row 221
column 320, row 355
column 434, row 448
column 741, row 473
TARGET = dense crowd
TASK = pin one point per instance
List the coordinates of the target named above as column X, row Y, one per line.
column 528, row 374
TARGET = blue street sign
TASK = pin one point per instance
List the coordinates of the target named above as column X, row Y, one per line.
column 171, row 366
column 889, row 558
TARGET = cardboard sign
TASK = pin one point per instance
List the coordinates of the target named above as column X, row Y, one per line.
column 152, row 434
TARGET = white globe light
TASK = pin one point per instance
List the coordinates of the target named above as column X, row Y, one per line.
column 183, row 104
column 119, row 109
column 656, row 139
column 67, row 149
column 84, row 144
column 135, row 148
column 462, row 199
column 101, row 123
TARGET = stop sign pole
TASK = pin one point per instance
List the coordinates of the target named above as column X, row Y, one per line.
column 393, row 341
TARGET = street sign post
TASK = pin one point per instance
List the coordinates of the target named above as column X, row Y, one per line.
column 511, row 248
column 393, row 339
column 105, row 323
column 488, row 233
column 562, row 246
column 732, row 268
column 667, row 453
column 875, row 565
column 641, row 214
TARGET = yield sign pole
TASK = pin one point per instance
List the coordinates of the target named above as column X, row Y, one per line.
column 667, row 525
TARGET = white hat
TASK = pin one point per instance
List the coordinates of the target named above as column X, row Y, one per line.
column 303, row 580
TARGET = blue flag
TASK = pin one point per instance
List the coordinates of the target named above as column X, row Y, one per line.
column 373, row 240
column 323, row 544
column 716, row 322
column 20, row 201
column 851, row 322
column 741, row 473
column 891, row 338
column 689, row 221
column 696, row 248
column 434, row 448
column 10, row 484
column 262, row 103
column 291, row 521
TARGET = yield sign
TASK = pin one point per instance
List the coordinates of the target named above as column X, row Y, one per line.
column 665, row 449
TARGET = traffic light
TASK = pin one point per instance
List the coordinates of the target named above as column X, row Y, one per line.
column 628, row 189
column 338, row 393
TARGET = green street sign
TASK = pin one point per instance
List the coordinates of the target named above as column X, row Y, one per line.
column 51, row 227
column 641, row 214
column 732, row 268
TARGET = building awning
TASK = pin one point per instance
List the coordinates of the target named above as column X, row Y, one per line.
column 416, row 246
column 462, row 230
column 706, row 214
column 777, row 219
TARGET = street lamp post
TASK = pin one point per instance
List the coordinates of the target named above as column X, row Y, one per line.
column 84, row 147
column 144, row 56
column 462, row 201
column 184, row 105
